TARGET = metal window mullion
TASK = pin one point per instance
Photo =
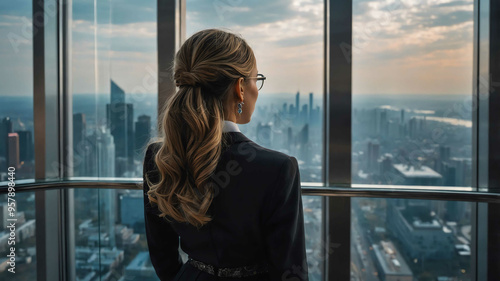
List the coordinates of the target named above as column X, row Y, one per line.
column 493, row 212
column 47, row 135
column 171, row 18
column 67, row 241
column 338, row 108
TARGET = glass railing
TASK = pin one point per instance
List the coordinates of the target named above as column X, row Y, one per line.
column 409, row 235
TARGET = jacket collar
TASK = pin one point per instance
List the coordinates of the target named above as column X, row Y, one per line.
column 236, row 137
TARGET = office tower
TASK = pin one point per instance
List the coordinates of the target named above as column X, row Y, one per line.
column 120, row 121
column 142, row 133
column 310, row 107
column 291, row 110
column 5, row 129
column 13, row 155
column 372, row 154
column 108, row 215
column 413, row 127
column 284, row 108
column 448, row 172
column 4, row 215
column 79, row 129
column 289, row 138
column 303, row 140
column 382, row 124
column 304, row 114
column 80, row 148
column 264, row 135
column 132, row 211
column 402, row 116
column 444, row 153
column 117, row 93
column 25, row 146
column 101, row 154
column 297, row 108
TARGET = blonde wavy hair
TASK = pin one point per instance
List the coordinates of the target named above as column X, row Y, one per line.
column 206, row 67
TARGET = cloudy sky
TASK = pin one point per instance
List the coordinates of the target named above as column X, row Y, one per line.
column 399, row 47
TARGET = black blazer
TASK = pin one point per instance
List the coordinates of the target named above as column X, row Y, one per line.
column 257, row 216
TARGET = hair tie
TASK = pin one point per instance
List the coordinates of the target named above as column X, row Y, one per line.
column 186, row 79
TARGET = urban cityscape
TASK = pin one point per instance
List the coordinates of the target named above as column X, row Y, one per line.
column 408, row 239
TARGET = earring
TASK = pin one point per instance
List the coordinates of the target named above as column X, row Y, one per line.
column 239, row 107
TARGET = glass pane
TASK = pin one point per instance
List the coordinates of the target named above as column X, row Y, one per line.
column 110, row 223
column 17, row 237
column 412, row 93
column 114, row 86
column 402, row 239
column 110, row 235
column 288, row 46
column 16, row 90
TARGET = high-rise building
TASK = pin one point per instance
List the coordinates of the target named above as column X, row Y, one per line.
column 310, row 107
column 142, row 133
column 372, row 155
column 264, row 135
column 80, row 145
column 303, row 140
column 297, row 108
column 25, row 146
column 5, row 129
column 120, row 121
column 102, row 154
column 132, row 211
column 13, row 150
column 304, row 114
column 117, row 93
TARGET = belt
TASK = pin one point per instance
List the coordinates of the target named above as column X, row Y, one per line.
column 242, row 271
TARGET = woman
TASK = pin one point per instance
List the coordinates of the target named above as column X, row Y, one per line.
column 235, row 205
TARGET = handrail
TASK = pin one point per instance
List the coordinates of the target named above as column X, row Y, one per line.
column 447, row 195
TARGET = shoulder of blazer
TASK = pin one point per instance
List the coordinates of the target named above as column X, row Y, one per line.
column 242, row 144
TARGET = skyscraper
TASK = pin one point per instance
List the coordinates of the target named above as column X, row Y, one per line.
column 13, row 150
column 372, row 154
column 25, row 146
column 297, row 108
column 80, row 148
column 120, row 121
column 5, row 129
column 310, row 107
column 142, row 133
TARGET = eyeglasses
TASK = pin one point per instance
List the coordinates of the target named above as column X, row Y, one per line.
column 260, row 80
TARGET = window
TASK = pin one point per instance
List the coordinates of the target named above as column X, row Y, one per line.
column 411, row 239
column 412, row 93
column 16, row 92
column 114, row 86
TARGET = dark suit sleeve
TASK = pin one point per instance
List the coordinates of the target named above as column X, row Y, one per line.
column 163, row 241
column 283, row 226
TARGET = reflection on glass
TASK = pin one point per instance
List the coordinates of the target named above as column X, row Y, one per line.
column 402, row 239
column 114, row 86
column 16, row 90
column 412, row 93
column 24, row 253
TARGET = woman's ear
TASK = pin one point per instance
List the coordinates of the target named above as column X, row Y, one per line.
column 238, row 88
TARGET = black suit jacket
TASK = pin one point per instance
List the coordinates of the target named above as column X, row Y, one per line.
column 257, row 216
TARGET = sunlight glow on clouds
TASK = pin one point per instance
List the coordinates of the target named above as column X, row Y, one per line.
column 412, row 47
column 399, row 46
